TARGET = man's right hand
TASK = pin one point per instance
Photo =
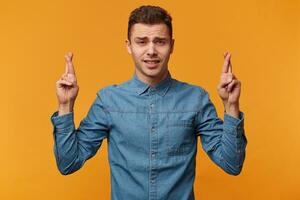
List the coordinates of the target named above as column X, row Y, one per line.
column 67, row 88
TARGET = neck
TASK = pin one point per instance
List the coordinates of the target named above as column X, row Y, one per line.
column 152, row 81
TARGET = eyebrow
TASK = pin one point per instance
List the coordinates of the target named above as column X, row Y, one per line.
column 141, row 38
column 156, row 38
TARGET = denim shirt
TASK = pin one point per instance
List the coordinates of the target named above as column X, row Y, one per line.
column 152, row 136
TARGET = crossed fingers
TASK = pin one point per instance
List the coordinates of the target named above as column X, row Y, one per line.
column 228, row 80
column 69, row 77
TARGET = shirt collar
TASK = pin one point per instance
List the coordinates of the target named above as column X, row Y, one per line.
column 161, row 88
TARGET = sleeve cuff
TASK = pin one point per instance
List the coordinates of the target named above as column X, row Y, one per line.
column 64, row 121
column 234, row 123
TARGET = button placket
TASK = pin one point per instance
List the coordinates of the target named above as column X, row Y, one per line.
column 153, row 155
column 153, row 144
column 151, row 105
column 153, row 129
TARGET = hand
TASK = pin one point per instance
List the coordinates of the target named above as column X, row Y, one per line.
column 66, row 87
column 229, row 88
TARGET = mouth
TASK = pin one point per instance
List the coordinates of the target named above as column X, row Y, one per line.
column 152, row 63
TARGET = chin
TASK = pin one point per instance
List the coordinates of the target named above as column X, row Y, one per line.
column 152, row 72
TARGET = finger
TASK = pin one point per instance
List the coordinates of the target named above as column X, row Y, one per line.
column 226, row 62
column 70, row 78
column 69, row 64
column 226, row 79
column 224, row 84
column 230, row 65
column 62, row 83
column 232, row 85
column 225, row 54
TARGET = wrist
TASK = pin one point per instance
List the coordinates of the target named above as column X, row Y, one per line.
column 233, row 110
column 65, row 108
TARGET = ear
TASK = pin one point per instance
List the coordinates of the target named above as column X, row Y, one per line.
column 128, row 46
column 172, row 45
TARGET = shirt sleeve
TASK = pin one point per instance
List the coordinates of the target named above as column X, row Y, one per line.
column 72, row 147
column 223, row 141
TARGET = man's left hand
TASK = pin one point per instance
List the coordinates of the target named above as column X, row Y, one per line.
column 229, row 88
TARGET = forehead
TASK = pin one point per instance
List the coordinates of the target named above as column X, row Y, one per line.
column 150, row 30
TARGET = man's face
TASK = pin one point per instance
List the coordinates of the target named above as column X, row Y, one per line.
column 150, row 47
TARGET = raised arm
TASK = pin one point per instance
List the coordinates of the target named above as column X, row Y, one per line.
column 223, row 141
column 72, row 147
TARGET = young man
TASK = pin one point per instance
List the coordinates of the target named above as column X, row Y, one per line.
column 152, row 121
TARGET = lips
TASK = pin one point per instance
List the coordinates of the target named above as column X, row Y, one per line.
column 152, row 64
column 151, row 61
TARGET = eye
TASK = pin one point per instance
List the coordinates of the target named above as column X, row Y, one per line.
column 161, row 42
column 141, row 42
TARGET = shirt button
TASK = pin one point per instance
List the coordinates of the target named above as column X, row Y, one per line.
column 152, row 129
column 153, row 155
column 151, row 105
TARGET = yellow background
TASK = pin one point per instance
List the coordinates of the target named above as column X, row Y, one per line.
column 263, row 37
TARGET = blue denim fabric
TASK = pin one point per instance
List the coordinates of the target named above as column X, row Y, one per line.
column 152, row 138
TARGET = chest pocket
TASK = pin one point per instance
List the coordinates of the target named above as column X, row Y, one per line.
column 181, row 137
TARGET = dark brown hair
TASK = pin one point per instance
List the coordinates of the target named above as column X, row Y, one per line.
column 149, row 15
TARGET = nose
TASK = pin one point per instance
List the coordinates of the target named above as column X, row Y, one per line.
column 151, row 51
